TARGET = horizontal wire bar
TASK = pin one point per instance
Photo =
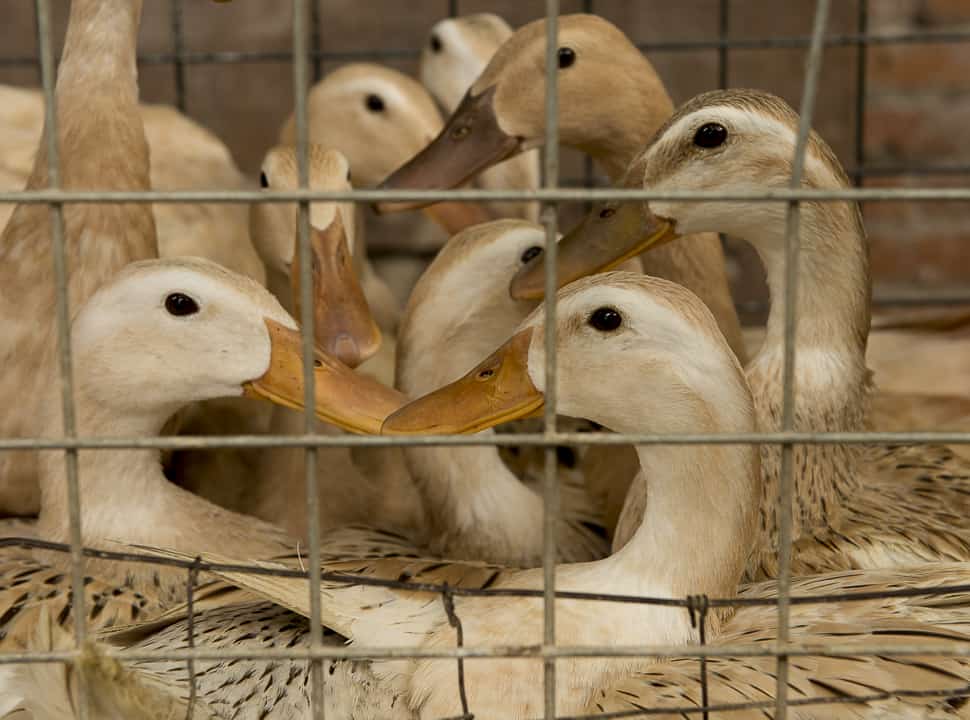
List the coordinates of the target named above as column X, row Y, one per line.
column 196, row 442
column 948, row 649
column 772, row 43
column 955, row 692
column 196, row 565
column 475, row 195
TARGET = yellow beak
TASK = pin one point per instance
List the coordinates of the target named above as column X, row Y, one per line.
column 342, row 322
column 609, row 236
column 349, row 400
column 497, row 391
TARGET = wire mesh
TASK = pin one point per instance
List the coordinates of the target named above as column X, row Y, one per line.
column 306, row 49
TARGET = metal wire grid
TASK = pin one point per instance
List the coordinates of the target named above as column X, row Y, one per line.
column 550, row 195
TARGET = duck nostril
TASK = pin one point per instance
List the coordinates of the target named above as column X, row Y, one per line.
column 486, row 374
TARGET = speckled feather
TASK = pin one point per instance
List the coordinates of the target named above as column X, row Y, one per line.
column 675, row 682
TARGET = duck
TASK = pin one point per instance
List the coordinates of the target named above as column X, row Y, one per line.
column 702, row 518
column 184, row 156
column 378, row 117
column 481, row 504
column 503, row 114
column 455, row 53
column 162, row 334
column 362, row 485
column 99, row 239
column 855, row 506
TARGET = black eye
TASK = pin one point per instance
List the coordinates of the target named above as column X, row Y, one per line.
column 567, row 56
column 435, row 44
column 531, row 253
column 180, row 305
column 710, row 135
column 605, row 319
column 607, row 213
column 375, row 103
column 263, row 180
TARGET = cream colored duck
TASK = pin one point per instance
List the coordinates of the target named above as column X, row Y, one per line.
column 611, row 102
column 94, row 100
column 477, row 508
column 378, row 118
column 855, row 506
column 362, row 485
column 184, row 156
column 161, row 335
column 702, row 517
column 454, row 55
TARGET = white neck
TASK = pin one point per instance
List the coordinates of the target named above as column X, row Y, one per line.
column 831, row 380
column 125, row 497
column 477, row 507
column 696, row 533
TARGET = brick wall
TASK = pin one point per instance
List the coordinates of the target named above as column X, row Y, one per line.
column 918, row 104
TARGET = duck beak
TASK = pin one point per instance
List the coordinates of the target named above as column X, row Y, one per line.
column 496, row 391
column 609, row 236
column 453, row 217
column 470, row 142
column 342, row 322
column 349, row 400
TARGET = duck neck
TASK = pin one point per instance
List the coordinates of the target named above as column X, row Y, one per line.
column 695, row 537
column 97, row 98
column 477, row 508
column 830, row 379
column 122, row 491
column 699, row 523
column 126, row 497
column 615, row 139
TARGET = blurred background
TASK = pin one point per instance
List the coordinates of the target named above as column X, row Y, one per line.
column 914, row 103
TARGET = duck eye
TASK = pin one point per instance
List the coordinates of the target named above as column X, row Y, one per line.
column 375, row 103
column 263, row 180
column 435, row 44
column 710, row 135
column 180, row 305
column 567, row 56
column 607, row 212
column 531, row 253
column 605, row 319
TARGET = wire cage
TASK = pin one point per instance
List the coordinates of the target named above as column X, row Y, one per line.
column 307, row 57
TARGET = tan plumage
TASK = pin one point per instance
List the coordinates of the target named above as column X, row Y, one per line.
column 701, row 520
column 611, row 103
column 454, row 55
column 123, row 337
column 365, row 485
column 855, row 506
column 476, row 506
column 94, row 101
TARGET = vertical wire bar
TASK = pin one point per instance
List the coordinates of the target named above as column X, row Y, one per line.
column 39, row 64
column 813, row 66
column 178, row 49
column 551, row 482
column 316, row 40
column 862, row 62
column 452, row 8
column 724, row 22
column 52, row 137
column 300, row 74
column 588, row 171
